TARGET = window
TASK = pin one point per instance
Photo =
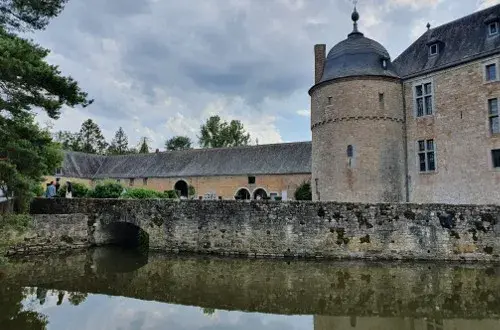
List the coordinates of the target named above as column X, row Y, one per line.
column 433, row 49
column 423, row 99
column 329, row 100
column 493, row 113
column 59, row 171
column 251, row 180
column 493, row 28
column 426, row 156
column 384, row 64
column 118, row 180
column 350, row 151
column 495, row 156
column 145, row 181
column 491, row 72
column 381, row 101
column 131, row 182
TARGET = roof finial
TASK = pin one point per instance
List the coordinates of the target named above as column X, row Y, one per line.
column 428, row 26
column 355, row 18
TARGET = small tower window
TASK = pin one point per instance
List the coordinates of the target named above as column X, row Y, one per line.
column 381, row 101
column 329, row 100
column 350, row 151
column 384, row 64
column 433, row 49
column 493, row 29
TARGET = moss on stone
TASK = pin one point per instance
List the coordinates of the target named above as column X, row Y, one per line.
column 410, row 215
column 365, row 239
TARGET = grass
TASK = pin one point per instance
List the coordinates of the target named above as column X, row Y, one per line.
column 13, row 228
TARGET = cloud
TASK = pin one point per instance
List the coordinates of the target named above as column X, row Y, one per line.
column 160, row 68
column 303, row 113
column 482, row 4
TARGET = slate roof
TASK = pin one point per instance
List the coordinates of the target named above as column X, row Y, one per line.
column 283, row 158
column 460, row 41
column 357, row 56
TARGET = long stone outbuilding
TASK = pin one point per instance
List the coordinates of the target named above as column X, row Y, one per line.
column 424, row 128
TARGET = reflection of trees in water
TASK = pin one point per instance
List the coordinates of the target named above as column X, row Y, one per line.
column 208, row 311
column 16, row 316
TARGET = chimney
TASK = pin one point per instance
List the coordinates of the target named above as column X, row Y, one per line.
column 157, row 150
column 319, row 61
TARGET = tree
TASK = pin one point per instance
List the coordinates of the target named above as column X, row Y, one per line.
column 27, row 15
column 68, row 140
column 92, row 140
column 143, row 146
column 178, row 143
column 216, row 133
column 119, row 145
column 28, row 82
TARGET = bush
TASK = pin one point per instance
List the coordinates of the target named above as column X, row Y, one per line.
column 191, row 191
column 106, row 190
column 172, row 194
column 19, row 222
column 278, row 198
column 303, row 192
column 38, row 190
column 79, row 190
column 141, row 193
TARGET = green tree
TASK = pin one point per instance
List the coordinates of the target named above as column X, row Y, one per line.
column 28, row 82
column 28, row 15
column 143, row 146
column 68, row 140
column 119, row 144
column 92, row 140
column 216, row 133
column 303, row 192
column 178, row 143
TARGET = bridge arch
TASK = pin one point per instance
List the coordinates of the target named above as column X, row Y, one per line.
column 121, row 233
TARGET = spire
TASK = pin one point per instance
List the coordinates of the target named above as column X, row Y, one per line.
column 355, row 18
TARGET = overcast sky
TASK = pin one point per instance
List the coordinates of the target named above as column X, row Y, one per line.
column 160, row 68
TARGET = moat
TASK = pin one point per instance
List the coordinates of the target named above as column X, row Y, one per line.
column 110, row 288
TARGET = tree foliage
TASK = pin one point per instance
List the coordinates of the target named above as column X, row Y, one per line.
column 26, row 15
column 79, row 190
column 28, row 82
column 119, row 144
column 178, row 143
column 68, row 140
column 216, row 133
column 92, row 140
column 303, row 192
column 143, row 146
column 107, row 190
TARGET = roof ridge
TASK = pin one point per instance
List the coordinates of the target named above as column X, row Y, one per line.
column 462, row 18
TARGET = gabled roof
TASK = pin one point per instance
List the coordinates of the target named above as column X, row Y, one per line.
column 283, row 158
column 460, row 41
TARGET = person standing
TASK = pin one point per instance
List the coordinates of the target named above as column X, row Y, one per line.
column 51, row 190
column 58, row 185
column 69, row 190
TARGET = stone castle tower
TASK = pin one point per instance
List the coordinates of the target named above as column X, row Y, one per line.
column 357, row 123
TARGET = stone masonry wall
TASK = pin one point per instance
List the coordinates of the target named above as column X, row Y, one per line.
column 289, row 229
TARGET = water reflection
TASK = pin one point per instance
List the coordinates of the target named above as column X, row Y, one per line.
column 118, row 289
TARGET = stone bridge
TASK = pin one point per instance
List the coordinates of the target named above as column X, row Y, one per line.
column 271, row 228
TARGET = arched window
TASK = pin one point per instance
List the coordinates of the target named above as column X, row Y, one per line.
column 350, row 151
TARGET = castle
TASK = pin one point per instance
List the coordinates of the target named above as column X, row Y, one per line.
column 423, row 128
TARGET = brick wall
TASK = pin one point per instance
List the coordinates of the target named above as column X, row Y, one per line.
column 303, row 229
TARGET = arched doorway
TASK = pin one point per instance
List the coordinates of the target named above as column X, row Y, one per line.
column 243, row 194
column 259, row 194
column 181, row 187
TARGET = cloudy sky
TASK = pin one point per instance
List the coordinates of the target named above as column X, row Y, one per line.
column 160, row 68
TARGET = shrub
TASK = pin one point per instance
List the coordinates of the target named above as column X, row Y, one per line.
column 303, row 192
column 172, row 194
column 19, row 222
column 106, row 190
column 141, row 193
column 191, row 191
column 38, row 190
column 79, row 190
column 278, row 198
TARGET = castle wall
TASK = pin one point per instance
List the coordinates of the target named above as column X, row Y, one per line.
column 278, row 229
column 461, row 133
column 366, row 113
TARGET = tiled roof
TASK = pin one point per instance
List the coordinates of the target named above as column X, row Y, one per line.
column 284, row 158
column 460, row 41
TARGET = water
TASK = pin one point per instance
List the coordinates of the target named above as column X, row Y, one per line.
column 118, row 289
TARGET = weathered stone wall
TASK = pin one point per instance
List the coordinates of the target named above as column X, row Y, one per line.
column 280, row 229
column 461, row 133
column 366, row 113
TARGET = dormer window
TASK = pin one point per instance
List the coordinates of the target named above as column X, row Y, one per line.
column 433, row 49
column 493, row 29
column 384, row 64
